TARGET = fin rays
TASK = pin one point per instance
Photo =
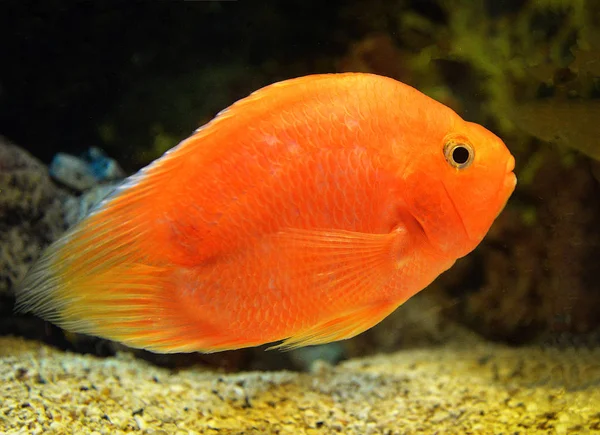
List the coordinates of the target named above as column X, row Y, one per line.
column 339, row 328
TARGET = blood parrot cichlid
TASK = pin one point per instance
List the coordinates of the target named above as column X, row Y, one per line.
column 306, row 212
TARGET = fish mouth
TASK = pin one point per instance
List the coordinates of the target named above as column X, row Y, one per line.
column 510, row 182
column 510, row 164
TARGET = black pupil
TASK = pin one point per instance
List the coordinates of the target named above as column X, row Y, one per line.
column 460, row 155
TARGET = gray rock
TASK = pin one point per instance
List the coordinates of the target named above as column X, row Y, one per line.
column 76, row 208
column 31, row 212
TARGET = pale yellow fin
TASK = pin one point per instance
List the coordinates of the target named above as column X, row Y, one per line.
column 116, row 296
column 109, row 276
column 342, row 327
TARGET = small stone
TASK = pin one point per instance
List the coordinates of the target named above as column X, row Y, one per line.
column 140, row 422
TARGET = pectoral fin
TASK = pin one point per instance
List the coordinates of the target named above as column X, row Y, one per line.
column 343, row 267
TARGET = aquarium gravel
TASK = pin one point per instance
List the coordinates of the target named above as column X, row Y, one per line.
column 476, row 389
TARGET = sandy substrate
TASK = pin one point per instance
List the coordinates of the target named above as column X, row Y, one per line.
column 476, row 389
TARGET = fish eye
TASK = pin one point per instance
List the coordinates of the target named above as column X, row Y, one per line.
column 459, row 153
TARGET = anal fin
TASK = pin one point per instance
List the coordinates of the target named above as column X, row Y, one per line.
column 340, row 327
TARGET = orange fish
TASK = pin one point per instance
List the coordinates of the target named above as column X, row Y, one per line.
column 306, row 212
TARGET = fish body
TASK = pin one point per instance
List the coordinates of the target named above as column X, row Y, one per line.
column 306, row 212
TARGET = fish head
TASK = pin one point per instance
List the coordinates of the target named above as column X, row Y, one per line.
column 461, row 179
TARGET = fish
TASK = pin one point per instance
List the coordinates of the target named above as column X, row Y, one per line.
column 303, row 214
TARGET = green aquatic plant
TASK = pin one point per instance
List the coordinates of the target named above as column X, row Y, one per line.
column 572, row 123
column 545, row 46
column 529, row 70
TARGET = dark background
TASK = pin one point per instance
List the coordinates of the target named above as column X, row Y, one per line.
column 68, row 65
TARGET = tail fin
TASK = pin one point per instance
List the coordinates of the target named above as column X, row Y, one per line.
column 97, row 280
column 110, row 276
